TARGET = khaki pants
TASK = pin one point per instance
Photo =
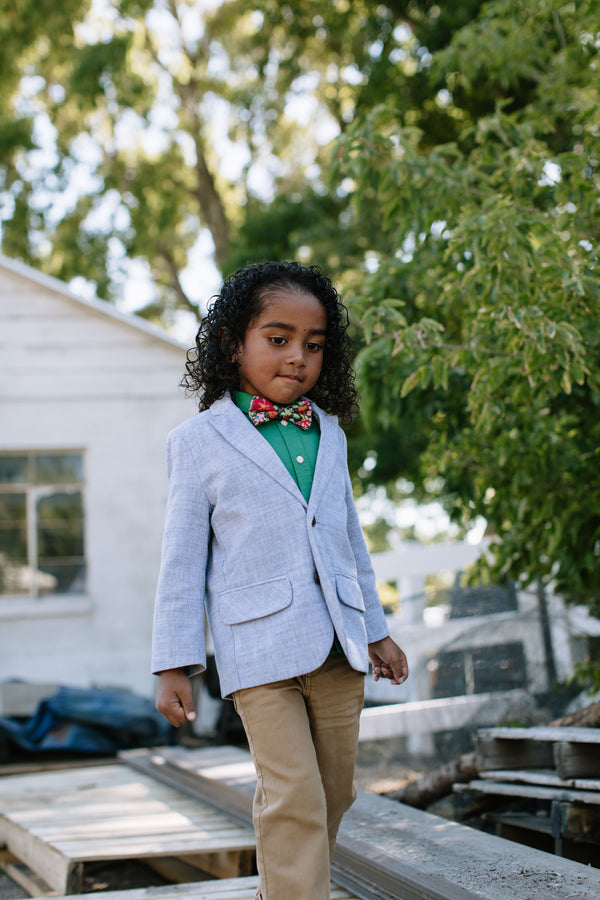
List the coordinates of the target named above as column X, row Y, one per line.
column 303, row 734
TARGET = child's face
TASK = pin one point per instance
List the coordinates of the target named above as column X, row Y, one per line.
column 282, row 351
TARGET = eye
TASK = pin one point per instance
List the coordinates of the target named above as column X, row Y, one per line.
column 277, row 339
column 314, row 346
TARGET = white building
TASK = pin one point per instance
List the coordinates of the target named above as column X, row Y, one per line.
column 494, row 640
column 87, row 397
column 473, row 659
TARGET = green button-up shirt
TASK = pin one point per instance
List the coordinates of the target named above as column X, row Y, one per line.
column 297, row 449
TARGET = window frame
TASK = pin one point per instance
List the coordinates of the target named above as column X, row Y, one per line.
column 35, row 491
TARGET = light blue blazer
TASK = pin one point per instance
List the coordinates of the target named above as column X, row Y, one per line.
column 276, row 574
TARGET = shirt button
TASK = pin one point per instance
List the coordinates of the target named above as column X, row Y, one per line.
column 299, row 459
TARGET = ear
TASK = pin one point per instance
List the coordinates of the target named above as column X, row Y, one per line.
column 230, row 346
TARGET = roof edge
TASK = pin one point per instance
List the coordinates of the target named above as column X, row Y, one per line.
column 17, row 267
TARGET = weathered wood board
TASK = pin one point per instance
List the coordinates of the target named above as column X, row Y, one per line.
column 542, row 777
column 57, row 821
column 533, row 791
column 577, row 760
column 227, row 889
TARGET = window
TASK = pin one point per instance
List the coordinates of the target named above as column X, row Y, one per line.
column 482, row 600
column 478, row 670
column 41, row 524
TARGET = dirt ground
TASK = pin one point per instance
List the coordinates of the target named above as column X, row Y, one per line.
column 383, row 766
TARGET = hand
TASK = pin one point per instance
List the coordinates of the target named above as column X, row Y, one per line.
column 174, row 697
column 389, row 661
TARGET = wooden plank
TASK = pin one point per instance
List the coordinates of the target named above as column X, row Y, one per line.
column 536, row 792
column 176, row 870
column 169, row 824
column 544, row 733
column 223, row 864
column 140, row 846
column 24, row 876
column 546, row 778
column 522, row 820
column 46, row 861
column 229, row 889
column 498, row 752
column 573, row 760
column 23, row 768
column 225, row 889
column 575, row 822
column 68, row 783
column 574, row 752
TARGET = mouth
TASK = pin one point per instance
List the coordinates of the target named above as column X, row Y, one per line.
column 294, row 378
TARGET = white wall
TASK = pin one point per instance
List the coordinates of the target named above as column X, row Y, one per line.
column 75, row 378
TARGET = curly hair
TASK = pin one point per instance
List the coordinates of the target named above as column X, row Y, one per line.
column 210, row 366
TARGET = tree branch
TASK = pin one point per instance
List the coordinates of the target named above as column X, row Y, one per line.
column 184, row 300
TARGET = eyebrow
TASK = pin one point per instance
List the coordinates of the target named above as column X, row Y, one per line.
column 285, row 327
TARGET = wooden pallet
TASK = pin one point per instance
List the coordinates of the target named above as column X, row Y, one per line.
column 570, row 752
column 55, row 822
column 553, row 775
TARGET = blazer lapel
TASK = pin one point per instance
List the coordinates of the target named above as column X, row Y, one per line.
column 326, row 457
column 235, row 427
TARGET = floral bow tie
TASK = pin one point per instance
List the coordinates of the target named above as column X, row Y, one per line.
column 299, row 412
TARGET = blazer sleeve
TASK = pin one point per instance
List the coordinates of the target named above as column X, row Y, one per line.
column 376, row 625
column 178, row 634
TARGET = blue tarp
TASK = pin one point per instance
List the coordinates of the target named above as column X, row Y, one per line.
column 95, row 720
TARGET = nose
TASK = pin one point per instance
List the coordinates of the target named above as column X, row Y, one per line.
column 296, row 354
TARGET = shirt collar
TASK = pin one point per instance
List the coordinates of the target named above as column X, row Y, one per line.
column 243, row 400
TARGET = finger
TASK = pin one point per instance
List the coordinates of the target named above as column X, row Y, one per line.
column 187, row 704
column 174, row 715
column 400, row 668
column 173, row 710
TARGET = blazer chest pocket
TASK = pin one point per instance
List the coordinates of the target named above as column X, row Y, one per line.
column 254, row 601
column 349, row 592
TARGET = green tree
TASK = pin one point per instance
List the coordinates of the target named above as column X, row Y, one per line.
column 118, row 118
column 458, row 209
column 113, row 136
column 481, row 309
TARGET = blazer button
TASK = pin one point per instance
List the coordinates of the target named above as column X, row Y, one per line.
column 317, row 579
column 314, row 522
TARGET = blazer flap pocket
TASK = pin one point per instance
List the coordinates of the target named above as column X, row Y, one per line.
column 349, row 592
column 254, row 601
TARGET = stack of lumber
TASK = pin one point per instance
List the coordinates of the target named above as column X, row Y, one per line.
column 550, row 775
